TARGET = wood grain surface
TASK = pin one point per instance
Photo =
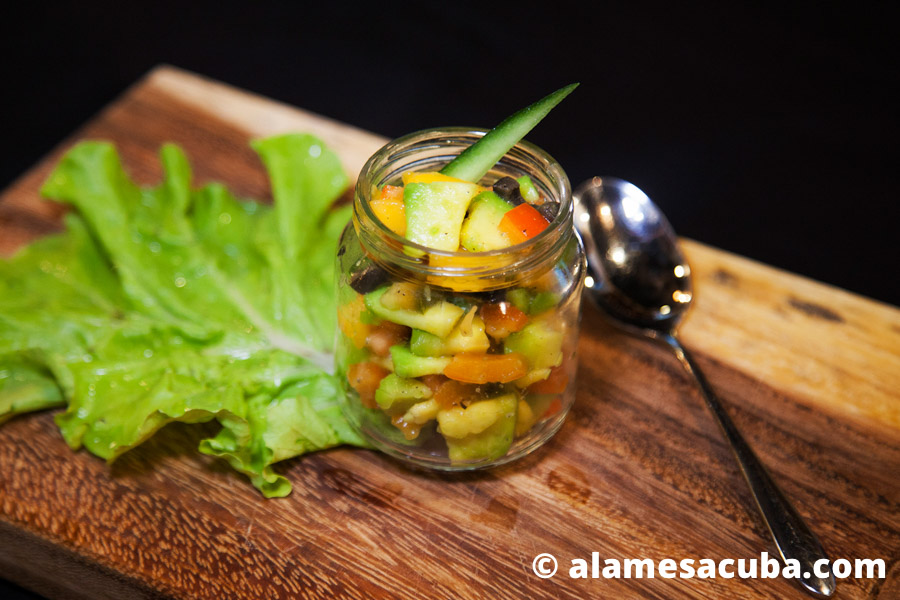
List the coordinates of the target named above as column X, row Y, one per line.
column 810, row 373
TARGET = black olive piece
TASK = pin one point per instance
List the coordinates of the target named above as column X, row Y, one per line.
column 369, row 278
column 549, row 210
column 492, row 390
column 508, row 189
column 493, row 296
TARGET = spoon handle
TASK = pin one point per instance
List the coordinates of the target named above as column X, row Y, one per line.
column 791, row 534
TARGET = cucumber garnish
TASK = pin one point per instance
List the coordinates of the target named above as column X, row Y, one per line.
column 476, row 160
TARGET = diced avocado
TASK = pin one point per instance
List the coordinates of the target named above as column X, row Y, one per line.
column 528, row 190
column 542, row 301
column 422, row 343
column 435, row 212
column 398, row 392
column 407, row 364
column 520, row 298
column 481, row 228
column 540, row 342
column 438, row 319
column 487, row 429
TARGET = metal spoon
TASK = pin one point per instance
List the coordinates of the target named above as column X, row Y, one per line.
column 640, row 279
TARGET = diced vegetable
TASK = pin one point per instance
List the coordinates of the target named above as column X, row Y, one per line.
column 554, row 408
column 365, row 378
column 382, row 337
column 481, row 227
column 533, row 376
column 525, row 418
column 438, row 319
column 423, row 343
column 508, row 189
column 502, row 319
column 407, row 364
column 399, row 392
column 487, row 368
column 522, row 223
column 542, row 301
column 543, row 405
column 528, row 190
column 555, row 383
column 549, row 210
column 456, row 393
column 531, row 302
column 435, row 212
column 402, row 295
column 434, row 382
column 422, row 412
column 480, row 444
column 540, row 342
column 351, row 322
column 459, row 422
column 388, row 207
column 366, row 276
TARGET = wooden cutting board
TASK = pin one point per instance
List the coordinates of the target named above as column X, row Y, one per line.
column 810, row 373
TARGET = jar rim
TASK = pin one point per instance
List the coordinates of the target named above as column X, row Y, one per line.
column 390, row 246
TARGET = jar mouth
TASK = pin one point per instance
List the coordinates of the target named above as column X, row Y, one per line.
column 431, row 149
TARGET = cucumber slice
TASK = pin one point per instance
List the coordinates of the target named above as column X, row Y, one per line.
column 476, row 160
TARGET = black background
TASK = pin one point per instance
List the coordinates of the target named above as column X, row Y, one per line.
column 769, row 132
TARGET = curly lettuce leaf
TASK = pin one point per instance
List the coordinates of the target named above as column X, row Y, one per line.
column 177, row 304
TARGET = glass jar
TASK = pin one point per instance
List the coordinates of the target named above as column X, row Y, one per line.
column 407, row 312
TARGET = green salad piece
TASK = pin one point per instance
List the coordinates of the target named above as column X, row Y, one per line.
column 178, row 304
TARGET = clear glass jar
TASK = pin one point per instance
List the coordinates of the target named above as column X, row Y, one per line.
column 524, row 299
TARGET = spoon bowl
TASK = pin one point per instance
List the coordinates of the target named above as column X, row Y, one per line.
column 638, row 273
column 641, row 281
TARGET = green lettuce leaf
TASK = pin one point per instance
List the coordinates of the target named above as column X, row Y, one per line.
column 177, row 304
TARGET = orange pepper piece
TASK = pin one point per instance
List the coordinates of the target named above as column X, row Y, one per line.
column 350, row 321
column 522, row 223
column 388, row 207
column 470, row 367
